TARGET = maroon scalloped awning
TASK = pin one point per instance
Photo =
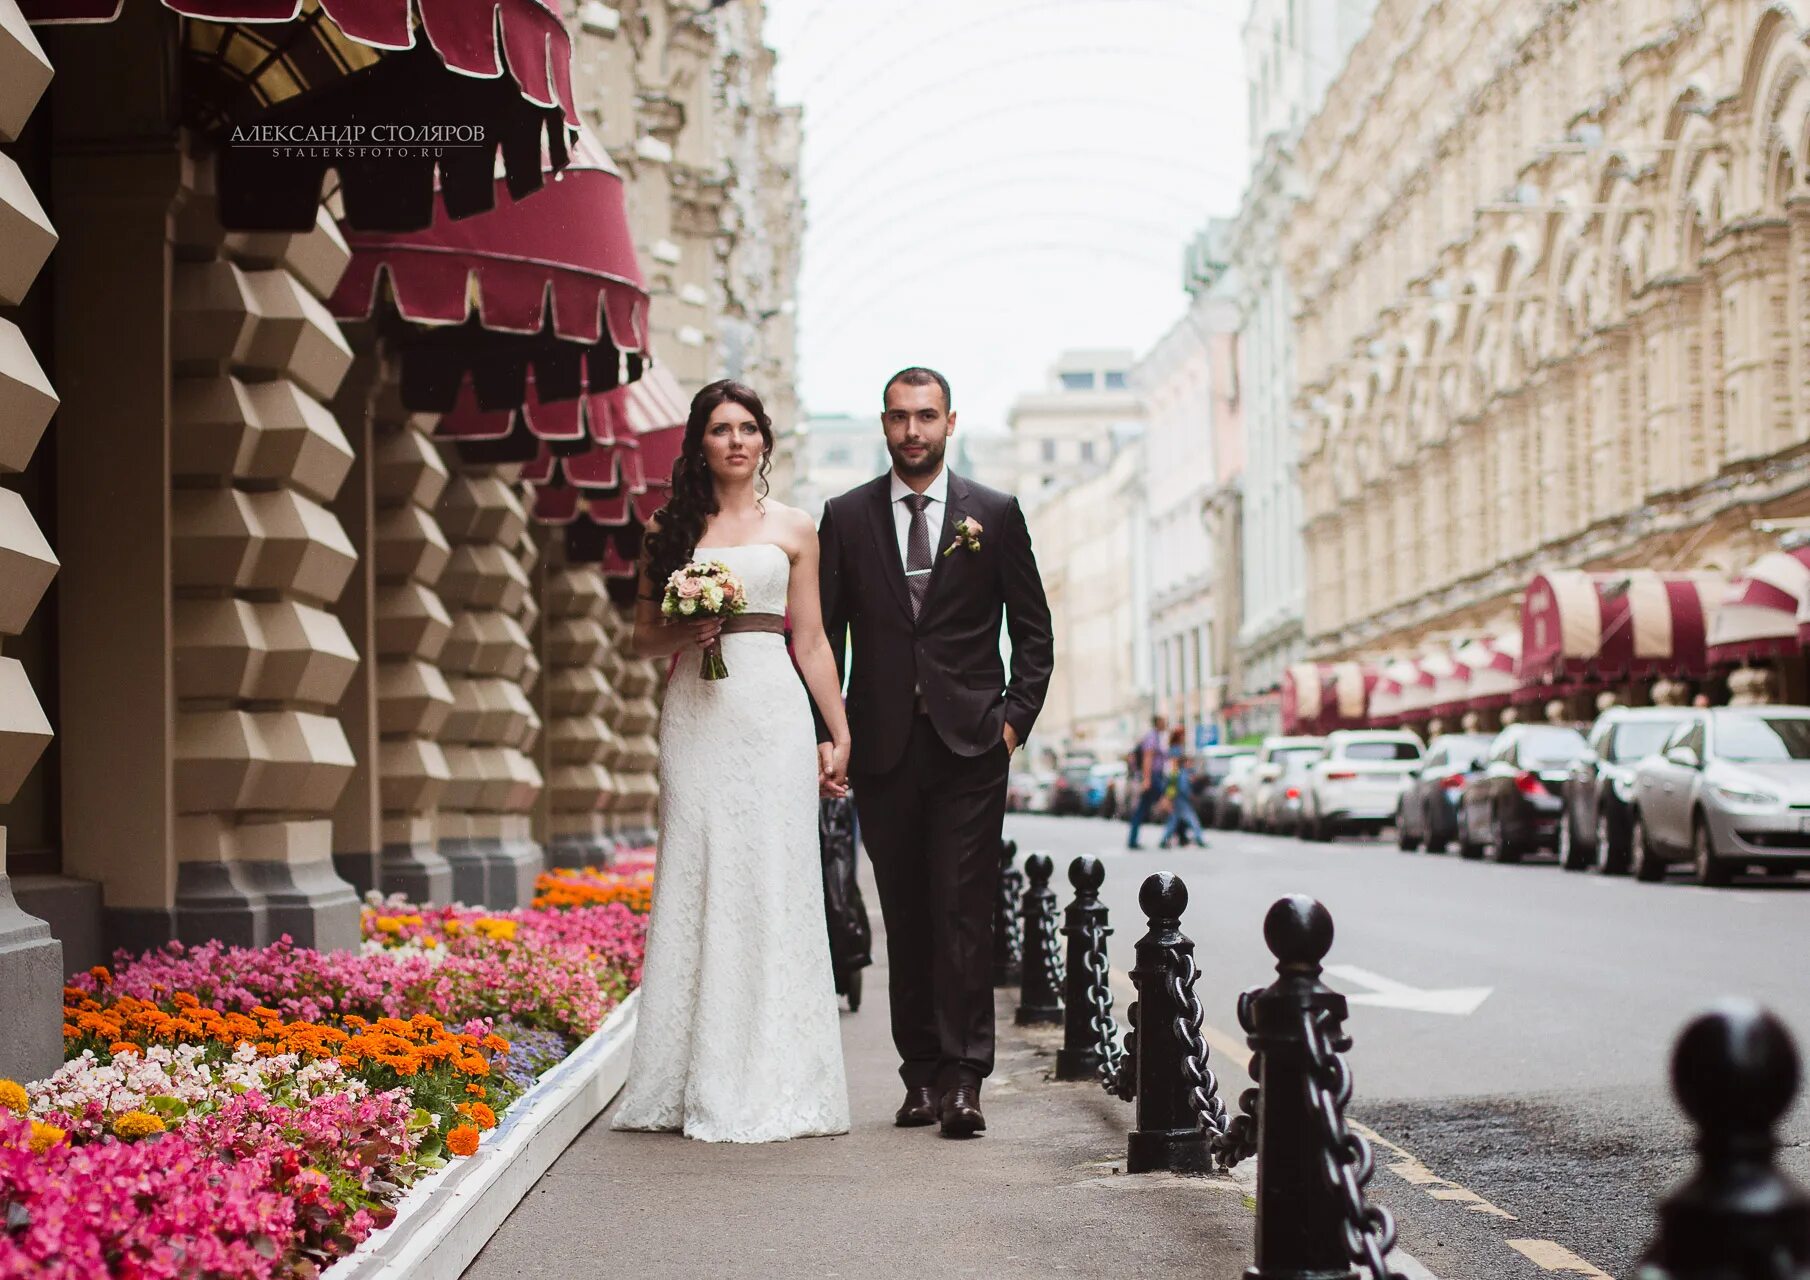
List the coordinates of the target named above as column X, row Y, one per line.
column 563, row 261
column 524, row 39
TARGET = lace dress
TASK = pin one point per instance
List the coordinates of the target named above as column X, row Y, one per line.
column 738, row 1037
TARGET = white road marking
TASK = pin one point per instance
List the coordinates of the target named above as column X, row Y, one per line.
column 1550, row 1255
column 1387, row 993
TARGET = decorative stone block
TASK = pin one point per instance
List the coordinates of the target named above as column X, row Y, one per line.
column 24, row 72
column 219, row 648
column 212, row 317
column 214, row 427
column 307, row 762
column 26, row 399
column 483, row 577
column 304, row 548
column 575, row 691
column 407, row 469
column 576, row 642
column 300, row 443
column 486, row 642
column 413, row 775
column 483, row 509
column 411, row 622
column 26, row 236
column 316, row 258
column 410, row 545
column 309, row 657
column 413, row 698
column 219, row 757
column 214, row 538
column 27, row 564
column 24, row 729
column 294, row 336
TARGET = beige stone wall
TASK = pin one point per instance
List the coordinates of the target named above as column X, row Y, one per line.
column 1553, row 271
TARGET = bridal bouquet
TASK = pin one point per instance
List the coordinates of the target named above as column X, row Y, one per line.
column 705, row 589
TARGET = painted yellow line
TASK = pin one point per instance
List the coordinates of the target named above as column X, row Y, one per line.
column 1550, row 1255
column 1408, row 1167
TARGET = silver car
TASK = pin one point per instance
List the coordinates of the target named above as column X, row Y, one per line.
column 1729, row 789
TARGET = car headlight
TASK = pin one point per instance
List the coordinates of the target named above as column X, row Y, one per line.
column 1744, row 798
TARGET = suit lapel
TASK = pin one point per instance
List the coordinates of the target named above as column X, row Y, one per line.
column 953, row 511
column 886, row 534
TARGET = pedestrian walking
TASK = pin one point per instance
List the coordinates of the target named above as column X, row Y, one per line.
column 1151, row 772
column 1184, row 820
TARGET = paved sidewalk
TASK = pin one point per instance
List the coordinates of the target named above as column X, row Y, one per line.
column 1038, row 1195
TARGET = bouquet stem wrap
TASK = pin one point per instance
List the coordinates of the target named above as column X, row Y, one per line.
column 713, row 668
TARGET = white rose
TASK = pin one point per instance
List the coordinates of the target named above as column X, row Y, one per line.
column 688, row 607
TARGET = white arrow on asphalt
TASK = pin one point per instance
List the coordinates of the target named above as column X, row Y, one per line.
column 1387, row 993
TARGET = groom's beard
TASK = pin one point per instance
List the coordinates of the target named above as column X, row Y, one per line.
column 924, row 466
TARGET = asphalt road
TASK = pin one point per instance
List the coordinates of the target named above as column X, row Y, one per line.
column 1545, row 1113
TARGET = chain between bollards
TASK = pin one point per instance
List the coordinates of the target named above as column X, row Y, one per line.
column 1090, row 1042
column 1040, row 990
column 1008, row 941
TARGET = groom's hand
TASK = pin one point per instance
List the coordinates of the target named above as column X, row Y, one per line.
column 1011, row 739
column 832, row 769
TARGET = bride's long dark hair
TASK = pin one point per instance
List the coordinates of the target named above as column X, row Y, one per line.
column 693, row 500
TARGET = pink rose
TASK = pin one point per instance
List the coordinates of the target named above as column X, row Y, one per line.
column 690, row 589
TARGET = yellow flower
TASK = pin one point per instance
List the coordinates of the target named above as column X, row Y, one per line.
column 430, row 942
column 137, row 1124
column 13, row 1097
column 388, row 924
column 502, row 930
column 45, row 1136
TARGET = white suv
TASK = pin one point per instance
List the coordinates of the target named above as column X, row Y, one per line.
column 1358, row 783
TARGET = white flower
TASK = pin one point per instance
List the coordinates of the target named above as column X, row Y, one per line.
column 688, row 607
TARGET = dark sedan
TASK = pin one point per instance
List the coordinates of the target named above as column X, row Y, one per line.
column 1599, row 794
column 1428, row 814
column 1512, row 808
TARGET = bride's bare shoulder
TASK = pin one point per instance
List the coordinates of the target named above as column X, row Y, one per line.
column 797, row 530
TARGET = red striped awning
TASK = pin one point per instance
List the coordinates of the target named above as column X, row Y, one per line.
column 1758, row 617
column 1493, row 667
column 264, row 69
column 1318, row 698
column 1450, row 682
column 559, row 271
column 1304, row 691
column 1610, row 626
column 1389, row 700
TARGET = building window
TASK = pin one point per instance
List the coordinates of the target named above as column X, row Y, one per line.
column 1087, row 451
column 1078, row 381
column 1049, row 450
column 1115, row 380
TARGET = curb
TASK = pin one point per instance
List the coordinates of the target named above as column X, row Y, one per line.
column 449, row 1216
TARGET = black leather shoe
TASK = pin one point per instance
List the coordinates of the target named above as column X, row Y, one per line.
column 961, row 1112
column 920, row 1108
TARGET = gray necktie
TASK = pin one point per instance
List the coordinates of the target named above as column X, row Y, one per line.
column 917, row 551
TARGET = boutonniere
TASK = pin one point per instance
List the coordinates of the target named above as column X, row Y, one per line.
column 967, row 534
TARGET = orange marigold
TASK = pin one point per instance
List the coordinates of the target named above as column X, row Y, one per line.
column 475, row 1090
column 496, row 1043
column 485, row 1117
column 122, row 1046
column 99, row 974
column 462, row 1141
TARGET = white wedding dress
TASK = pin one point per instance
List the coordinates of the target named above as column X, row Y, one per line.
column 738, row 1037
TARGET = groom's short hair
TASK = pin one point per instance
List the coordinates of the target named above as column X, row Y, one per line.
column 918, row 376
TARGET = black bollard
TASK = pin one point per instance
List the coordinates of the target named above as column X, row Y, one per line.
column 1007, row 940
column 1300, row 1231
column 1735, row 1071
column 1085, row 920
column 1040, row 991
column 1169, row 1134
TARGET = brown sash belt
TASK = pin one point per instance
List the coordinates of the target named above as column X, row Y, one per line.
column 771, row 622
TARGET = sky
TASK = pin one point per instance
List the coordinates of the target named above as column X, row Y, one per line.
column 989, row 182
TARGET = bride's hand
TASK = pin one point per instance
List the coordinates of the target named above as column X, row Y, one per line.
column 704, row 631
column 832, row 768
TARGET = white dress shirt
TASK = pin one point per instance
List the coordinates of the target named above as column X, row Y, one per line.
column 938, row 493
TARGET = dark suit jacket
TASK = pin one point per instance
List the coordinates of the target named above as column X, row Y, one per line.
column 951, row 650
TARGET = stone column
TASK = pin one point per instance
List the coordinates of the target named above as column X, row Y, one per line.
column 486, row 827
column 635, row 813
column 257, row 560
column 574, row 695
column 31, row 961
column 1751, row 267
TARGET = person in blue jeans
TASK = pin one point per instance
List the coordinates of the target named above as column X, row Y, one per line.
column 1150, row 770
column 1182, row 817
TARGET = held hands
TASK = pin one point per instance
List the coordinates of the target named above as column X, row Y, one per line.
column 832, row 769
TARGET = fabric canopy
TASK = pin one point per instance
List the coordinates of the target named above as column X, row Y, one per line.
column 1447, row 684
column 1758, row 617
column 410, row 102
column 1609, row 626
column 1390, row 697
column 1321, row 698
column 1492, row 667
column 1303, row 695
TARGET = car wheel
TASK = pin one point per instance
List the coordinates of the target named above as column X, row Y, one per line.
column 1500, row 849
column 1467, row 847
column 1712, row 871
column 1405, row 840
column 1436, row 842
column 1573, row 855
column 1643, row 858
column 1611, row 844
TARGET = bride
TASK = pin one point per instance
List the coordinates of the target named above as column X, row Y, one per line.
column 738, row 1037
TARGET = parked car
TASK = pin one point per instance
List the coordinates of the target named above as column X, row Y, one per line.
column 1730, row 789
column 1427, row 813
column 1357, row 782
column 1599, row 794
column 1069, row 790
column 1230, row 796
column 1512, row 808
column 1279, row 764
column 1028, row 791
column 1105, row 794
column 1212, row 765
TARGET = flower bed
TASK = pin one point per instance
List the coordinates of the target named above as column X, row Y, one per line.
column 227, row 1111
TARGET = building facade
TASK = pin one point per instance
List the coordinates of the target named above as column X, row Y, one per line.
column 1066, row 431
column 1175, row 381
column 1552, row 267
column 1293, row 49
column 1090, row 539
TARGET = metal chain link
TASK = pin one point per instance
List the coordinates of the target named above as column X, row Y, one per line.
column 1348, row 1161
column 1010, row 885
column 1118, row 1068
column 1203, row 1085
column 1052, row 955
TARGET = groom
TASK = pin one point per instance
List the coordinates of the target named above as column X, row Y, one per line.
column 920, row 565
